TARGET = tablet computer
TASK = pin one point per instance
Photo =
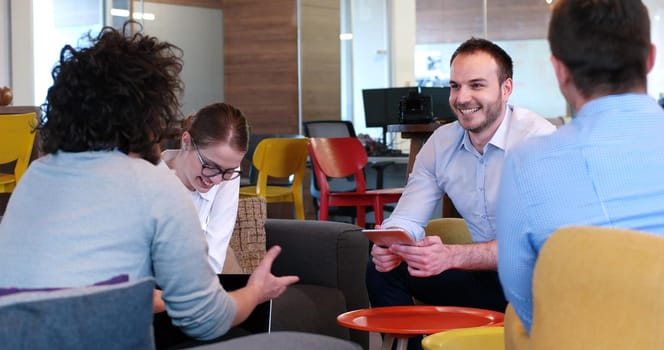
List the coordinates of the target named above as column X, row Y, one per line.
column 385, row 237
column 260, row 320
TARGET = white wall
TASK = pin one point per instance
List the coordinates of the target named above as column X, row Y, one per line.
column 22, row 52
column 402, row 42
column 199, row 33
column 5, row 78
column 656, row 76
column 371, row 57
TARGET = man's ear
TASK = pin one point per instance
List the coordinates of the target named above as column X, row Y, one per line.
column 651, row 58
column 562, row 73
column 506, row 88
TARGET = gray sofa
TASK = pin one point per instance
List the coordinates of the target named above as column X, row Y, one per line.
column 330, row 259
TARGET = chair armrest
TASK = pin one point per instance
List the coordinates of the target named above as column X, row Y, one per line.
column 324, row 253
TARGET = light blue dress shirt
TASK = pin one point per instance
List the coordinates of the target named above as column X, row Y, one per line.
column 605, row 168
column 448, row 163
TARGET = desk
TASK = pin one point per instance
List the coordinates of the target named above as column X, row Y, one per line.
column 403, row 322
column 396, row 160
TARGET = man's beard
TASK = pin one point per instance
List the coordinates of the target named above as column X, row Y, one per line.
column 492, row 113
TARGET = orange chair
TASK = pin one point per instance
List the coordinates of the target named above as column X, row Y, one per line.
column 340, row 157
column 16, row 139
column 279, row 158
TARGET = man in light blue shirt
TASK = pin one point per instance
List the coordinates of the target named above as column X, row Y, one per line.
column 605, row 167
column 463, row 159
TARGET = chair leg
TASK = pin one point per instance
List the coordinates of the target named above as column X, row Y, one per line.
column 361, row 216
column 378, row 211
column 298, row 203
column 323, row 210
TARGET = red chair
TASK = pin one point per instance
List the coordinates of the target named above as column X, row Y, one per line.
column 341, row 157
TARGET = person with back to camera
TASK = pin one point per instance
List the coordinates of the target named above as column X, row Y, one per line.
column 604, row 167
column 212, row 146
column 463, row 159
column 95, row 205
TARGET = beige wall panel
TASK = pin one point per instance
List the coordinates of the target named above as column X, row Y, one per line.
column 199, row 3
column 321, row 82
column 445, row 21
column 260, row 63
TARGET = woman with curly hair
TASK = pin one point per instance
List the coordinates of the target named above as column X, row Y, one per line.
column 213, row 144
column 93, row 208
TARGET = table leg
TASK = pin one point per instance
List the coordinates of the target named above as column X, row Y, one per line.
column 402, row 343
column 388, row 340
column 415, row 146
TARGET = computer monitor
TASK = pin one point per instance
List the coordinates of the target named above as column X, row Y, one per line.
column 381, row 106
column 440, row 97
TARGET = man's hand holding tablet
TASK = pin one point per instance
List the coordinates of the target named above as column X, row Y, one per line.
column 385, row 237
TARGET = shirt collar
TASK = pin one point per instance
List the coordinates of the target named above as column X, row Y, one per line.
column 621, row 102
column 499, row 138
column 209, row 195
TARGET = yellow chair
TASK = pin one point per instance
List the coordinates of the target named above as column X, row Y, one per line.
column 474, row 338
column 515, row 334
column 280, row 158
column 450, row 230
column 16, row 139
column 595, row 288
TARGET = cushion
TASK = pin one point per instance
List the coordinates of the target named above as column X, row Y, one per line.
column 116, row 316
column 12, row 290
column 231, row 265
column 248, row 240
column 284, row 341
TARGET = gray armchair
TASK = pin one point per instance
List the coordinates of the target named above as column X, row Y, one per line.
column 116, row 316
column 330, row 259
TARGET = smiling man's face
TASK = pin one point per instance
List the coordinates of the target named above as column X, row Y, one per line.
column 476, row 96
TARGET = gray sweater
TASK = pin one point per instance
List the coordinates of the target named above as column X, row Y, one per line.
column 79, row 218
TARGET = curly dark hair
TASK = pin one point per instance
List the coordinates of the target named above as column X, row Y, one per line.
column 501, row 57
column 118, row 93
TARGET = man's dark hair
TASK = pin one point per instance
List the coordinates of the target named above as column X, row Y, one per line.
column 501, row 57
column 604, row 43
column 118, row 93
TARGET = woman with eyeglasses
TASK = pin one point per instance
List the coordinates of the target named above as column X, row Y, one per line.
column 213, row 144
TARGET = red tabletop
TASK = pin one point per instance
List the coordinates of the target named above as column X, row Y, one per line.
column 418, row 319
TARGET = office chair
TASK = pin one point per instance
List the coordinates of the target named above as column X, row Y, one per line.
column 339, row 157
column 339, row 128
column 595, row 288
column 279, row 158
column 328, row 128
column 16, row 140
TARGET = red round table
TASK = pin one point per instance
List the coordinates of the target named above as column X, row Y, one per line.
column 403, row 322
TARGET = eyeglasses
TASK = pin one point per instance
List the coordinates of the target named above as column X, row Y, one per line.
column 208, row 170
